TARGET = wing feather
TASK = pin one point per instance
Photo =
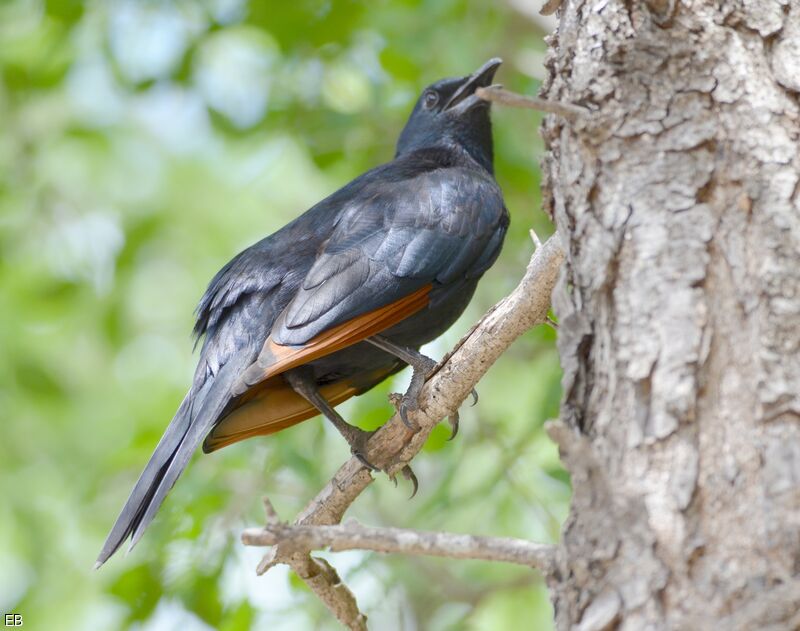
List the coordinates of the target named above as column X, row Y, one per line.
column 398, row 236
column 277, row 358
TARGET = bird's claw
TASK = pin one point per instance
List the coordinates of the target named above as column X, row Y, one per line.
column 363, row 460
column 403, row 409
column 357, row 439
column 402, row 405
column 410, row 400
column 453, row 420
column 474, row 394
column 408, row 474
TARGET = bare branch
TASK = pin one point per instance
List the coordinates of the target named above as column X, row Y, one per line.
column 496, row 94
column 353, row 535
column 394, row 445
column 324, row 581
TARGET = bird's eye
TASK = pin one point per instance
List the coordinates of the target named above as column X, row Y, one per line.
column 430, row 99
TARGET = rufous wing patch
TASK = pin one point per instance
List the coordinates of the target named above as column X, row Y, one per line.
column 275, row 407
column 276, row 358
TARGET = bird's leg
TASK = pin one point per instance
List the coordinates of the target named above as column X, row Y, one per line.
column 302, row 382
column 422, row 366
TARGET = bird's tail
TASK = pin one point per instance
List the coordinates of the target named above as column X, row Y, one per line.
column 195, row 417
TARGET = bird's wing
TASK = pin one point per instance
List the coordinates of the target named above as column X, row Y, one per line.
column 273, row 405
column 397, row 241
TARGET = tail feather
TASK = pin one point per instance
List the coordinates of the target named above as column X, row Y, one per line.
column 195, row 417
column 209, row 413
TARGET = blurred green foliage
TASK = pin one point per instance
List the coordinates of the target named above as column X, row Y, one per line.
column 142, row 144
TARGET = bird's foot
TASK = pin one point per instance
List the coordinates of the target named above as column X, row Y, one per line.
column 423, row 367
column 357, row 438
column 410, row 401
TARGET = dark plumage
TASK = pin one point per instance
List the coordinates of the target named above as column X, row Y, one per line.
column 289, row 325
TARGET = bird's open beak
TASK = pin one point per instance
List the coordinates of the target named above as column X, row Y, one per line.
column 464, row 98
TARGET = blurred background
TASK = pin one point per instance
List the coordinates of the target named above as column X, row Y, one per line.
column 142, row 145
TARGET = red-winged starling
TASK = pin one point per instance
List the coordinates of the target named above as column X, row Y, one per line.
column 343, row 296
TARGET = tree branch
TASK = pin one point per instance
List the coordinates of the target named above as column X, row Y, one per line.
column 394, row 444
column 353, row 535
column 496, row 94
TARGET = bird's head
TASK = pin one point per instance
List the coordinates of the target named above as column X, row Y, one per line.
column 449, row 112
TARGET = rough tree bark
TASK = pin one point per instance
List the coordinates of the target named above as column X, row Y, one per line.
column 679, row 305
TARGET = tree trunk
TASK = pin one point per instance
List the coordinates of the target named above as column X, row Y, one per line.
column 677, row 202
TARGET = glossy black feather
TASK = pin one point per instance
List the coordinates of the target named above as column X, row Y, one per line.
column 410, row 223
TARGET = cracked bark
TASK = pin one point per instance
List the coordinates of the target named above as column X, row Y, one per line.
column 679, row 306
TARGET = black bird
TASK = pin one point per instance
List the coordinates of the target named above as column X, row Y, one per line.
column 343, row 296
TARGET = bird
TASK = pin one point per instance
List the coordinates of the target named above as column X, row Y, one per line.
column 341, row 297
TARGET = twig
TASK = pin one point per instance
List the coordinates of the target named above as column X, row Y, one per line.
column 496, row 94
column 353, row 535
column 272, row 514
column 324, row 581
column 394, row 445
column 537, row 242
column 550, row 7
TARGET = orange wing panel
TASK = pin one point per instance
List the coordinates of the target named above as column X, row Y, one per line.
column 275, row 358
column 275, row 407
